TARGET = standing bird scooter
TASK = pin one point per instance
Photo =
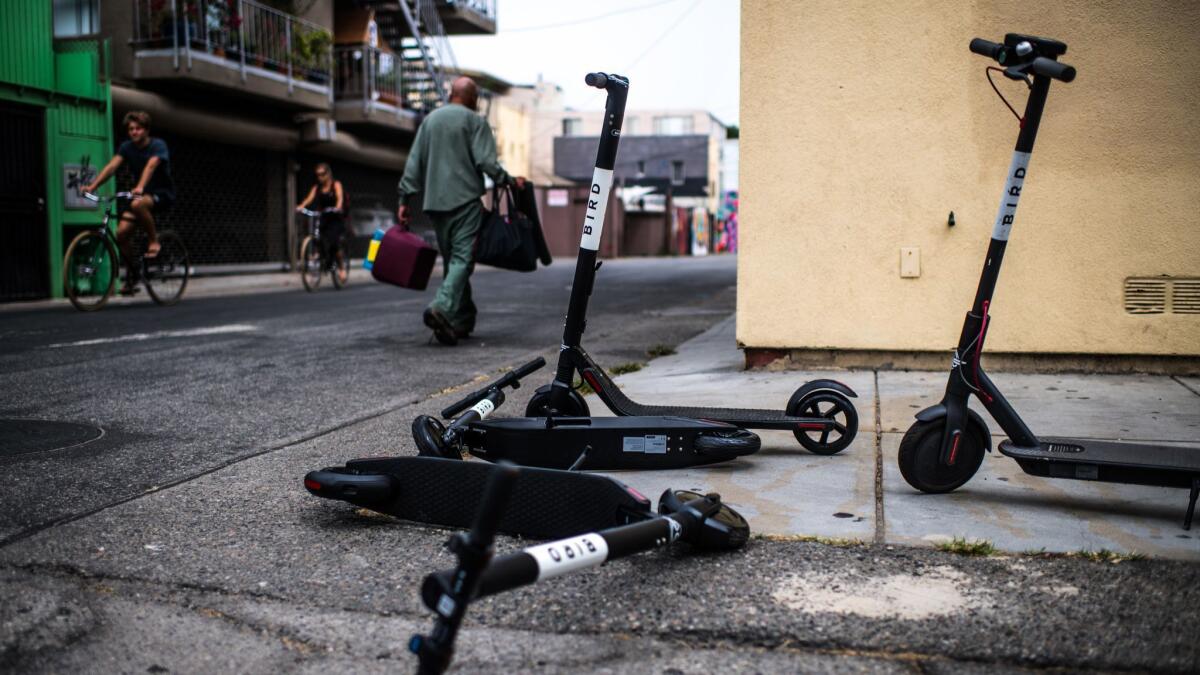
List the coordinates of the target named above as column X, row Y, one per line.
column 944, row 447
column 819, row 414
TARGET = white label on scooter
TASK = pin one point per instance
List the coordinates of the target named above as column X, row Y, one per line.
column 484, row 408
column 567, row 555
column 597, row 203
column 1012, row 194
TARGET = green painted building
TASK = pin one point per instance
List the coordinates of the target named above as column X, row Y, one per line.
column 55, row 126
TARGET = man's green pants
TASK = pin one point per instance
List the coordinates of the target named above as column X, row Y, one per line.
column 456, row 231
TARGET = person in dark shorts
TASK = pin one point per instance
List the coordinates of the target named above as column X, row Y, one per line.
column 328, row 194
column 154, row 192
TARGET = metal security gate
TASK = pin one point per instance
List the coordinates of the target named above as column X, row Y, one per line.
column 24, row 237
column 231, row 201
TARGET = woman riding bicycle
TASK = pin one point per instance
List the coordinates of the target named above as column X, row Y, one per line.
column 328, row 198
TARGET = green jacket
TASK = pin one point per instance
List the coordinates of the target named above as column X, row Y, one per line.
column 454, row 147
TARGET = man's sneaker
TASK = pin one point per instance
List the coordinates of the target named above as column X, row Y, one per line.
column 442, row 330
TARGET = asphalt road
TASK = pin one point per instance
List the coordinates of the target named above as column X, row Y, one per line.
column 182, row 541
column 180, row 391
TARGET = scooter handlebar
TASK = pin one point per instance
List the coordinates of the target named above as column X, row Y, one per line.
column 510, row 379
column 1051, row 68
column 988, row 48
column 1040, row 65
column 597, row 80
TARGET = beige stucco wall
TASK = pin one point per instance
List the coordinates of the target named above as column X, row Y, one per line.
column 864, row 124
column 511, row 125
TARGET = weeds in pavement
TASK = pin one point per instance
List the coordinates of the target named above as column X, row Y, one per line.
column 963, row 546
column 660, row 349
column 1105, row 555
column 836, row 542
column 631, row 367
column 1102, row 555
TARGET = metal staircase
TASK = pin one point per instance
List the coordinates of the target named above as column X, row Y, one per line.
column 414, row 30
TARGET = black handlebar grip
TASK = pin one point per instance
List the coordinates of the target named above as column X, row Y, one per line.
column 989, row 49
column 597, row 80
column 1054, row 69
column 528, row 368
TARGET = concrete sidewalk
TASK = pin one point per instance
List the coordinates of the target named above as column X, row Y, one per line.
column 860, row 494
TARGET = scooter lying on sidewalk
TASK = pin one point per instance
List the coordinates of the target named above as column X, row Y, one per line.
column 700, row 520
column 819, row 414
column 945, row 446
column 447, row 492
column 596, row 443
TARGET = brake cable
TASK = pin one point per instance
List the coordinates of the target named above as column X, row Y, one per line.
column 988, row 72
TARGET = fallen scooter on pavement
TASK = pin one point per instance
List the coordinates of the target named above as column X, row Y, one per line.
column 596, row 443
column 699, row 520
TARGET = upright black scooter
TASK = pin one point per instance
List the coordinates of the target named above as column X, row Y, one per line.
column 819, row 414
column 945, row 446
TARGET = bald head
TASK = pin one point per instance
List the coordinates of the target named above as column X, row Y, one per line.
column 465, row 92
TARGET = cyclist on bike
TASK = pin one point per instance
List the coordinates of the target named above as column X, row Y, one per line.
column 330, row 200
column 150, row 162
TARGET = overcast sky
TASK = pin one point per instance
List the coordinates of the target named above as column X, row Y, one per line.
column 676, row 53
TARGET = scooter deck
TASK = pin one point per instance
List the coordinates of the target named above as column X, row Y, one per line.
column 1108, row 461
column 646, row 443
column 753, row 418
column 545, row 503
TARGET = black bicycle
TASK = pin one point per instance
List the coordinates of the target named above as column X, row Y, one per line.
column 315, row 259
column 92, row 263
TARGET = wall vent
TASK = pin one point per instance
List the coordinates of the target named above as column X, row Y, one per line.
column 1162, row 295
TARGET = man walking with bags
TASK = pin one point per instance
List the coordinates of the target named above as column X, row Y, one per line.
column 453, row 148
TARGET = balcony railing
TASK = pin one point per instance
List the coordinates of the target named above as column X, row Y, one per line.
column 367, row 74
column 485, row 8
column 243, row 33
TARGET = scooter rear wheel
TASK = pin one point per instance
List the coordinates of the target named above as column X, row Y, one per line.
column 539, row 405
column 732, row 443
column 920, row 456
column 835, row 408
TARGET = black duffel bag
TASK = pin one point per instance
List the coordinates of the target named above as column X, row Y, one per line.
column 508, row 238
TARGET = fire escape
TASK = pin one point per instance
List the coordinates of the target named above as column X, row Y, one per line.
column 415, row 31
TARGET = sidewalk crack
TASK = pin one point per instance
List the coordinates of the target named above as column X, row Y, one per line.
column 880, row 524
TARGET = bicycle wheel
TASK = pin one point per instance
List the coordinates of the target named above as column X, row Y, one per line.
column 340, row 271
column 166, row 274
column 90, row 271
column 310, row 263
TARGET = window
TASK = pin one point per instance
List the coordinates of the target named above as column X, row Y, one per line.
column 73, row 18
column 677, row 172
column 572, row 126
column 641, row 168
column 672, row 126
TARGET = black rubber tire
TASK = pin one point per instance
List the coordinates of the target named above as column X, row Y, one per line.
column 91, row 248
column 731, row 443
column 538, row 405
column 310, row 263
column 920, row 450
column 340, row 273
column 166, row 274
column 427, row 433
column 837, row 404
column 339, row 482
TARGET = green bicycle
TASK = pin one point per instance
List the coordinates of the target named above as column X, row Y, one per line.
column 92, row 265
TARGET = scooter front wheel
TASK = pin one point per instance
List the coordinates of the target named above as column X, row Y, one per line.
column 428, row 433
column 920, row 456
column 839, row 415
column 539, row 405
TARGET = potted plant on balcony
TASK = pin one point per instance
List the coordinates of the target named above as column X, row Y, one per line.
column 311, row 52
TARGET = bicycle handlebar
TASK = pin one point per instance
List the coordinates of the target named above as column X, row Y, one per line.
column 93, row 197
column 311, row 213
